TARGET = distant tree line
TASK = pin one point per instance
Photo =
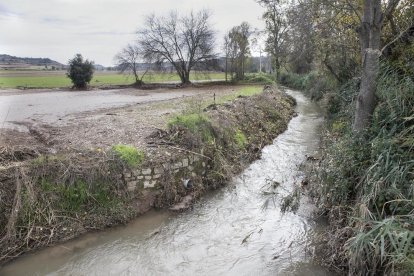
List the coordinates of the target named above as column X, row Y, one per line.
column 183, row 43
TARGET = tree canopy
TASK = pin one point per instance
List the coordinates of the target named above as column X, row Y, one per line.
column 80, row 71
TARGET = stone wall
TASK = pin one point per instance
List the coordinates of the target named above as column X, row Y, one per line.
column 150, row 177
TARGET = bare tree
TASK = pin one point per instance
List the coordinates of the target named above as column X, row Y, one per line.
column 182, row 41
column 128, row 60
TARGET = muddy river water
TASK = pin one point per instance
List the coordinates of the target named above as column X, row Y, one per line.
column 228, row 232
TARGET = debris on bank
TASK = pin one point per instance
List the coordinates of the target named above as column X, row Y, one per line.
column 50, row 198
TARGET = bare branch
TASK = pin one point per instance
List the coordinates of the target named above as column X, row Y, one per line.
column 183, row 41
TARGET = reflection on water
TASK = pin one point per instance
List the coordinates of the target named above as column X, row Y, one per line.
column 227, row 233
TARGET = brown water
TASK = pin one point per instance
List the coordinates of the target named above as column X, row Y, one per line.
column 226, row 233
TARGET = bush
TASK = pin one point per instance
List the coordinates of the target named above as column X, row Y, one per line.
column 259, row 78
column 292, row 80
column 80, row 72
column 129, row 154
column 314, row 84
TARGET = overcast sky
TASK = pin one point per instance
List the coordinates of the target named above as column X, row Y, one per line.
column 98, row 29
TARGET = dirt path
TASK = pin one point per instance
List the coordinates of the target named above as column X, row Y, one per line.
column 63, row 120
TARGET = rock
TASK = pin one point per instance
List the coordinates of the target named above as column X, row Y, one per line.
column 183, row 205
column 146, row 171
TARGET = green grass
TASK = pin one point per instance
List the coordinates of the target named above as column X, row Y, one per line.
column 240, row 139
column 129, row 154
column 246, row 91
column 73, row 197
column 196, row 123
column 47, row 80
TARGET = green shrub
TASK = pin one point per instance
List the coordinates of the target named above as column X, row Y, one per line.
column 80, row 71
column 129, row 154
column 259, row 78
column 314, row 84
column 292, row 80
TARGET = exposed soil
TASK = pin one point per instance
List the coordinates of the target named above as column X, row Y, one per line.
column 100, row 129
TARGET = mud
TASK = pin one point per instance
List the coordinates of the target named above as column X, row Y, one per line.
column 56, row 120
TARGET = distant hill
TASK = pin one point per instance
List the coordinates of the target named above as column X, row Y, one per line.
column 7, row 61
column 99, row 67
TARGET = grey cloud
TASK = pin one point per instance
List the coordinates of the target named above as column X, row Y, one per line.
column 6, row 12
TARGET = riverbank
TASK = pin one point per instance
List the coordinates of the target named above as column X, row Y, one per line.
column 363, row 182
column 55, row 197
column 238, row 229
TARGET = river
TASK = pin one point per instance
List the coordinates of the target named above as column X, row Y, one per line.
column 228, row 232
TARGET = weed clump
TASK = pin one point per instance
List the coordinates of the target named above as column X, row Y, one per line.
column 129, row 154
column 240, row 139
column 196, row 123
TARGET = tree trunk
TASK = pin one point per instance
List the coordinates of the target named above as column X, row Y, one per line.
column 277, row 68
column 185, row 77
column 370, row 35
column 366, row 101
column 226, row 69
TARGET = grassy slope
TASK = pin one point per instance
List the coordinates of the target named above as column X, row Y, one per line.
column 39, row 80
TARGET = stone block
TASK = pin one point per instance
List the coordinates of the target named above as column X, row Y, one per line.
column 140, row 177
column 150, row 184
column 156, row 176
column 148, row 177
column 132, row 185
column 146, row 171
column 185, row 162
column 137, row 172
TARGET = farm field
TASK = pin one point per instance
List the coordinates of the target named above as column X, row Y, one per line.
column 58, row 79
